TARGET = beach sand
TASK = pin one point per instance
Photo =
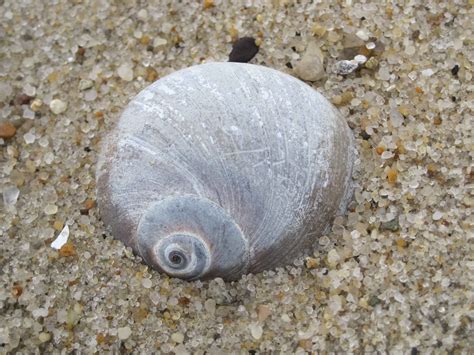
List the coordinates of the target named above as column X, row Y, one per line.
column 395, row 274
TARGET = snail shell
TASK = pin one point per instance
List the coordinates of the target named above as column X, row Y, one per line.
column 223, row 169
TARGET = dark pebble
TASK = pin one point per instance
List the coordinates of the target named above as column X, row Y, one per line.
column 243, row 50
column 455, row 70
column 364, row 135
column 23, row 99
column 392, row 225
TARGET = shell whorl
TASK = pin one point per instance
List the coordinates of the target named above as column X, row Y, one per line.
column 188, row 236
column 263, row 153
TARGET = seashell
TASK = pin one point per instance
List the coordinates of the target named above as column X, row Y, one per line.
column 224, row 169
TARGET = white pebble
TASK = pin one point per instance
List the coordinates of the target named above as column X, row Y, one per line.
column 427, row 72
column 29, row 138
column 57, row 106
column 125, row 72
column 44, row 337
column 363, row 35
column 256, row 330
column 210, row 305
column 437, row 216
column 310, row 67
column 51, row 209
column 177, row 337
column 10, row 195
column 146, row 283
column 85, row 84
column 361, row 59
column 124, row 333
column 158, row 41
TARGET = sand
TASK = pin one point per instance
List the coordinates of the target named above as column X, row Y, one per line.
column 395, row 274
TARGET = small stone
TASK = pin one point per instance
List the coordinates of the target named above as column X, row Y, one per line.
column 363, row 35
column 427, row 72
column 7, row 130
column 125, row 72
column 90, row 95
column 401, row 243
column 310, row 67
column 85, row 84
column 57, row 106
column 177, row 337
column 392, row 225
column 23, row 99
column 29, row 138
column 243, row 50
column 17, row 291
column 158, row 41
column 392, row 175
column 124, row 333
column 437, row 216
column 371, row 63
column 207, row 4
column 67, row 249
column 146, row 283
column 311, row 263
column 361, row 59
column 263, row 312
column 10, row 195
column 455, row 70
column 210, row 305
column 318, row 30
column 333, row 257
column 345, row 67
column 50, row 209
column 151, row 74
column 256, row 330
column 44, row 337
column 36, row 105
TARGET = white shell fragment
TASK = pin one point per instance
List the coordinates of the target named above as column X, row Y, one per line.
column 223, row 169
column 61, row 239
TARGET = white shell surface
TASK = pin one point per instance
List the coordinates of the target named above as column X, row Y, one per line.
column 268, row 149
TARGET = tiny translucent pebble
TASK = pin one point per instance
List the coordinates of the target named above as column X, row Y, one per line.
column 146, row 283
column 48, row 158
column 51, row 209
column 177, row 337
column 10, row 195
column 61, row 239
column 360, row 58
column 370, row 45
column 125, row 72
column 210, row 305
column 437, row 215
column 158, row 41
column 427, row 72
column 387, row 155
column 90, row 95
column 363, row 35
column 124, row 333
column 256, row 330
column 29, row 138
column 57, row 106
column 44, row 337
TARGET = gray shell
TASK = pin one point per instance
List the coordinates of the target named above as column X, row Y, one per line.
column 223, row 169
